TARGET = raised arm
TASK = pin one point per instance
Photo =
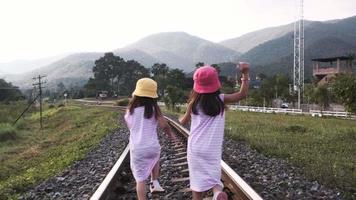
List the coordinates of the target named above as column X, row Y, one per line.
column 237, row 96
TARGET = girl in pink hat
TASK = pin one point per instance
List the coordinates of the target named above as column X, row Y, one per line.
column 142, row 117
column 205, row 109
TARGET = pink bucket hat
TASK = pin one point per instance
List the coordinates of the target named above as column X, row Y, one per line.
column 206, row 80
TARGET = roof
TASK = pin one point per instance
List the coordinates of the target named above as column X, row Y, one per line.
column 332, row 59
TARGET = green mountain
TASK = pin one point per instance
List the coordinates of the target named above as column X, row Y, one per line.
column 71, row 70
column 322, row 39
column 250, row 40
column 22, row 66
column 269, row 51
column 181, row 50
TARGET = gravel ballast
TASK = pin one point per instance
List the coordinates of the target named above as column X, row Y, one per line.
column 270, row 177
column 81, row 179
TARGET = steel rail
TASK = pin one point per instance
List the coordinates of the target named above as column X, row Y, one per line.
column 240, row 189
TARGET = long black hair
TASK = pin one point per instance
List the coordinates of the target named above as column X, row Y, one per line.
column 210, row 103
column 150, row 105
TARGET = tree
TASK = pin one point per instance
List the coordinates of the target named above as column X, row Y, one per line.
column 176, row 78
column 173, row 96
column 199, row 64
column 160, row 72
column 344, row 88
column 107, row 73
column 8, row 92
column 91, row 87
column 273, row 87
column 321, row 95
column 114, row 74
column 217, row 67
column 131, row 73
column 61, row 89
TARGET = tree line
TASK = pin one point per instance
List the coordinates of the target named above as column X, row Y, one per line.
column 9, row 92
column 118, row 77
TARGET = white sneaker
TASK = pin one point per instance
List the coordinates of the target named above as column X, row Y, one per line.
column 220, row 196
column 154, row 189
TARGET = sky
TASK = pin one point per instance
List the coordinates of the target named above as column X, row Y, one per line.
column 32, row 29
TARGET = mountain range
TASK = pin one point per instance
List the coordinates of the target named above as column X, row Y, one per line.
column 268, row 50
column 22, row 66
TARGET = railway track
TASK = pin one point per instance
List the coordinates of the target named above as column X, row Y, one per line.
column 119, row 182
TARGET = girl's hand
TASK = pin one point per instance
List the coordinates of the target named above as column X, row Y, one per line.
column 186, row 117
column 244, row 67
column 181, row 119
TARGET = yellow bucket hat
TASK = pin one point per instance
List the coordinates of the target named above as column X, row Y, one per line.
column 146, row 87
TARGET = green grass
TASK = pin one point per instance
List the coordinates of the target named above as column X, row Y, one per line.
column 68, row 134
column 10, row 112
column 7, row 132
column 323, row 148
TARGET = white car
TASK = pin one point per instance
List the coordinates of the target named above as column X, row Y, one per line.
column 284, row 105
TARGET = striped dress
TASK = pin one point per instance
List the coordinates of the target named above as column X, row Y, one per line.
column 144, row 145
column 205, row 150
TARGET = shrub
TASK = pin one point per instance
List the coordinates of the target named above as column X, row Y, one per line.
column 7, row 132
column 123, row 102
column 51, row 106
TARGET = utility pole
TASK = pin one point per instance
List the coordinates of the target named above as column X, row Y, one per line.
column 40, row 87
column 298, row 64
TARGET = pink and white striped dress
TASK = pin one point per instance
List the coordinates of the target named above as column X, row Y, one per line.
column 205, row 150
column 144, row 145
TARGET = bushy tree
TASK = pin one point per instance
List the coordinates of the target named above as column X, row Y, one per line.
column 132, row 72
column 61, row 89
column 199, row 64
column 173, row 96
column 321, row 95
column 106, row 71
column 344, row 89
column 115, row 75
column 8, row 92
column 217, row 67
column 176, row 78
column 160, row 72
column 273, row 87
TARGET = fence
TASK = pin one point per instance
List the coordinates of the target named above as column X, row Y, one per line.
column 314, row 113
column 266, row 109
column 319, row 113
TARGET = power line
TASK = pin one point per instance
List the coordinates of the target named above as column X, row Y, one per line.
column 28, row 107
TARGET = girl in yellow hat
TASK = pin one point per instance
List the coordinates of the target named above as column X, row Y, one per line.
column 142, row 117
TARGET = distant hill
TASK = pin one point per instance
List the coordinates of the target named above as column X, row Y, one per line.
column 138, row 55
column 181, row 50
column 74, row 69
column 322, row 39
column 269, row 51
column 22, row 66
column 250, row 40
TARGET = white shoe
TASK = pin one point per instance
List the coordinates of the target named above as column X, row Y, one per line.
column 154, row 189
column 220, row 196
